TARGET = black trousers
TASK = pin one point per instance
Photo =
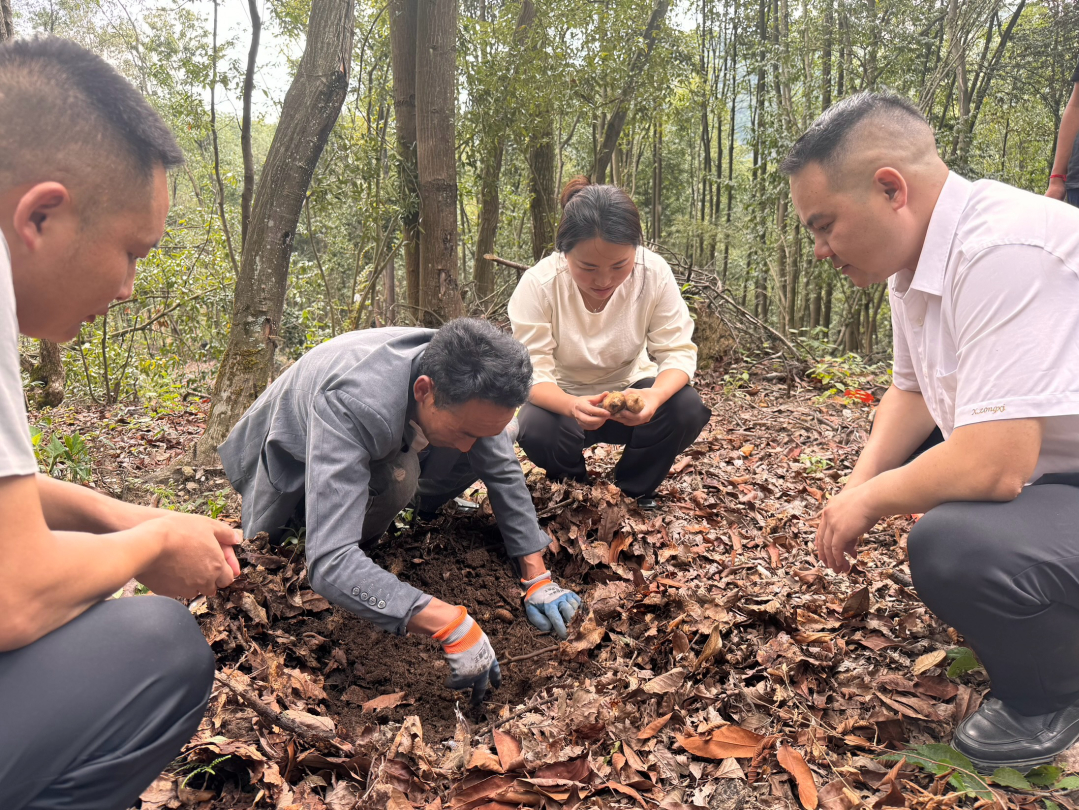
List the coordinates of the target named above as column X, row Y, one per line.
column 91, row 713
column 1006, row 576
column 556, row 442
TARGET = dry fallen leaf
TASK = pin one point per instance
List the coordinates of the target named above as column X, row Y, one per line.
column 316, row 726
column 384, row 702
column 711, row 647
column 928, row 661
column 653, row 728
column 857, row 603
column 667, row 682
column 509, row 751
column 728, row 741
column 794, row 764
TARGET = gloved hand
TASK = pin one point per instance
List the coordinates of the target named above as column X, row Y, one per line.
column 471, row 657
column 549, row 607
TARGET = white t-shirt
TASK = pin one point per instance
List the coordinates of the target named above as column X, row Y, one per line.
column 987, row 326
column 16, row 451
column 586, row 352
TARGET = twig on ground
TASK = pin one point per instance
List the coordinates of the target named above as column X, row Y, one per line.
column 513, row 659
column 550, row 510
column 252, row 701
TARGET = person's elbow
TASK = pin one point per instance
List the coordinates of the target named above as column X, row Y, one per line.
column 20, row 626
column 1006, row 485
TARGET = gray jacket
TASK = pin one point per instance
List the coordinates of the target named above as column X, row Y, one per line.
column 315, row 433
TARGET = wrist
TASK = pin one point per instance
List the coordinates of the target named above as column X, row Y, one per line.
column 434, row 618
column 532, row 565
column 1056, row 176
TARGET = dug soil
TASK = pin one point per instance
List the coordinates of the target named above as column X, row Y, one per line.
column 463, row 565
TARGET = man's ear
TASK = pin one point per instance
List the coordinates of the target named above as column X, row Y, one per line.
column 893, row 185
column 423, row 388
column 36, row 212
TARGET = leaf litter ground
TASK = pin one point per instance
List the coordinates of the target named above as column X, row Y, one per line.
column 713, row 663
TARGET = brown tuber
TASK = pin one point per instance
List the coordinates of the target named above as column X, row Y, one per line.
column 634, row 402
column 616, row 402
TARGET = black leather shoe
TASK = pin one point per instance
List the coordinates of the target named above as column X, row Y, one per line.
column 998, row 737
column 647, row 503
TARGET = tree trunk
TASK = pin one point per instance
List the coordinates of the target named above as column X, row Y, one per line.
column 613, row 129
column 245, row 126
column 390, row 313
column 403, row 21
column 657, row 183
column 47, row 377
column 826, row 59
column 308, row 114
column 436, row 109
column 7, row 21
column 487, row 229
column 541, row 169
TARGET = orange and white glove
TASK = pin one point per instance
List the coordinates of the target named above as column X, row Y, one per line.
column 472, row 660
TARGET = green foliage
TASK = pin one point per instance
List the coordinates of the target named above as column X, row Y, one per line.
column 939, row 760
column 709, row 115
column 64, row 456
column 943, row 760
column 814, row 464
column 963, row 661
column 206, row 769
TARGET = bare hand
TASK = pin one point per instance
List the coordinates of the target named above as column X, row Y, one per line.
column 651, row 405
column 843, row 521
column 197, row 556
column 1056, row 189
column 588, row 413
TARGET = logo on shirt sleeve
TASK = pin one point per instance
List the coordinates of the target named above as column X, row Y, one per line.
column 988, row 409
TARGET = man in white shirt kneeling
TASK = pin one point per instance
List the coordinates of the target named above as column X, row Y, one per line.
column 984, row 290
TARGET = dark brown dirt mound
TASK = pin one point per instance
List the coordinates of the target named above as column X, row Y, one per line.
column 470, row 568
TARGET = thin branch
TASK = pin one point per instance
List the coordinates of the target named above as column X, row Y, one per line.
column 217, row 154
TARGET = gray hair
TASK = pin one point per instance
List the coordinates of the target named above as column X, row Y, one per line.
column 827, row 141
column 469, row 358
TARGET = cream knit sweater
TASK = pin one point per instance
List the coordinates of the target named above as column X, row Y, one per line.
column 587, row 352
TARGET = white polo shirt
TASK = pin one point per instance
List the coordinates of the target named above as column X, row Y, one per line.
column 987, row 326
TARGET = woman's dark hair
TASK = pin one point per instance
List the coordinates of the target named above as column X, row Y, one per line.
column 469, row 358
column 591, row 210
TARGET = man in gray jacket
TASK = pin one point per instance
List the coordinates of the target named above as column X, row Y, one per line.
column 371, row 421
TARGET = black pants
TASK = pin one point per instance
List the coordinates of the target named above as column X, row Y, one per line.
column 1006, row 576
column 91, row 713
column 556, row 442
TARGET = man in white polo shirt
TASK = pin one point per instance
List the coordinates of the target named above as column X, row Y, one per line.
column 984, row 290
column 96, row 696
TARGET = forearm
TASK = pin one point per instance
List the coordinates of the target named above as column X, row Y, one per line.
column 901, row 424
column 68, row 507
column 986, row 462
column 550, row 397
column 668, row 383
column 69, row 573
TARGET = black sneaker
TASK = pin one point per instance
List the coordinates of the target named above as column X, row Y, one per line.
column 998, row 737
column 647, row 503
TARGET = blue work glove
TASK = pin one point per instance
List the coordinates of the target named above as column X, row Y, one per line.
column 472, row 660
column 549, row 607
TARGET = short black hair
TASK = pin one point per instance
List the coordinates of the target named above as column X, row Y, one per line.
column 469, row 358
column 590, row 210
column 67, row 115
column 826, row 140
